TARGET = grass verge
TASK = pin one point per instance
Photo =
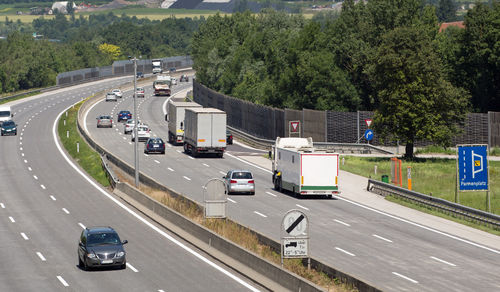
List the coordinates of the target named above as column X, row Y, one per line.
column 432, row 176
column 88, row 159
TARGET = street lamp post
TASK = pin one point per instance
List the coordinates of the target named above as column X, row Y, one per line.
column 136, row 139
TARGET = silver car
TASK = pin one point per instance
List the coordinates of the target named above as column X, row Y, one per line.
column 104, row 121
column 139, row 92
column 239, row 181
column 110, row 96
column 143, row 133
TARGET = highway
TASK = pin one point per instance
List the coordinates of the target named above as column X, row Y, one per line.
column 45, row 202
column 391, row 253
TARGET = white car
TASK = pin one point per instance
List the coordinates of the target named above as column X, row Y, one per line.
column 174, row 81
column 143, row 133
column 117, row 92
column 128, row 126
column 110, row 96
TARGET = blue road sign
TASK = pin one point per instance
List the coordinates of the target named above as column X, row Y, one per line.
column 369, row 135
column 472, row 167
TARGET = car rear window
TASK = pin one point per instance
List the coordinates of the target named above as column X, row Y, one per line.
column 242, row 175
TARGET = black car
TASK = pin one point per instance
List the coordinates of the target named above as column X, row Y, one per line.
column 184, row 78
column 154, row 145
column 101, row 247
column 124, row 116
column 140, row 75
column 8, row 128
column 229, row 138
column 172, row 69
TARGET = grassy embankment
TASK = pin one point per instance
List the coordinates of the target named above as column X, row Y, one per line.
column 88, row 159
column 436, row 177
column 91, row 162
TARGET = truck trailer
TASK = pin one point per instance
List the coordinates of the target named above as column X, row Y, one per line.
column 300, row 168
column 175, row 119
column 204, row 131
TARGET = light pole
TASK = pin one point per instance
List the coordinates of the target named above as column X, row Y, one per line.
column 136, row 124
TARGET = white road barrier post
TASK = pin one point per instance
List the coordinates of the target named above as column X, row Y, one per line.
column 77, row 147
column 67, row 134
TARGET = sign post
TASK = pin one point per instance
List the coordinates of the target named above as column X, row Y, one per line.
column 472, row 170
column 295, row 236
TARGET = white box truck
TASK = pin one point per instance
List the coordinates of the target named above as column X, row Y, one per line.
column 175, row 119
column 303, row 170
column 157, row 66
column 161, row 85
column 204, row 131
column 5, row 113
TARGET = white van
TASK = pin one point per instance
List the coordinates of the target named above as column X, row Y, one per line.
column 5, row 113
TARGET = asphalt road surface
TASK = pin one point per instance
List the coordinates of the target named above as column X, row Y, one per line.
column 392, row 254
column 45, row 202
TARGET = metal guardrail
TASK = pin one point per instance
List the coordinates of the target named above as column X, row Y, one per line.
column 110, row 174
column 336, row 147
column 451, row 208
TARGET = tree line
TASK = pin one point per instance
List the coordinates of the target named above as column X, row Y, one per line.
column 78, row 42
column 386, row 56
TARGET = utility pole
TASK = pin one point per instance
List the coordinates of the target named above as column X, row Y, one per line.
column 136, row 140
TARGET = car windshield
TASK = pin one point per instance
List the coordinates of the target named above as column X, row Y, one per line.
column 242, row 175
column 4, row 114
column 156, row 141
column 8, row 123
column 105, row 238
column 140, row 89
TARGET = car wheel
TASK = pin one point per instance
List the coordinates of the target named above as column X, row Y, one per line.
column 252, row 193
column 163, row 152
column 123, row 266
column 133, row 140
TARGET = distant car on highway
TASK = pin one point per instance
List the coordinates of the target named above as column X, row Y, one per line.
column 143, row 133
column 140, row 75
column 104, row 121
column 184, row 78
column 128, row 126
column 8, row 128
column 154, row 145
column 139, row 92
column 101, row 247
column 172, row 69
column 229, row 137
column 239, row 181
column 110, row 96
column 118, row 93
column 124, row 116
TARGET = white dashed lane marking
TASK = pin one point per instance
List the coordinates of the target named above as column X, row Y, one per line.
column 260, row 214
column 24, row 236
column 231, row 200
column 65, row 284
column 406, row 278
column 271, row 194
column 12, row 219
column 341, row 222
column 380, row 237
column 443, row 261
column 81, row 225
column 132, row 268
column 345, row 251
column 40, row 255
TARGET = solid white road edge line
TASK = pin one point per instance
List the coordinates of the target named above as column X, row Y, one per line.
column 161, row 232
column 406, row 278
column 389, row 215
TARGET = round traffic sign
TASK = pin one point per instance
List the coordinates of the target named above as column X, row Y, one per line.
column 369, row 135
column 295, row 223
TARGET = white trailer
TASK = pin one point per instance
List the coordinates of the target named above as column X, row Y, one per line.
column 303, row 170
column 175, row 119
column 204, row 131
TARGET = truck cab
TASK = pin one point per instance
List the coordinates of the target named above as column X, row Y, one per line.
column 5, row 113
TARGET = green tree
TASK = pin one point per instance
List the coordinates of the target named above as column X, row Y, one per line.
column 416, row 102
column 447, row 11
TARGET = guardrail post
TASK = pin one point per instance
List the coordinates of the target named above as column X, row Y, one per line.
column 77, row 147
column 64, row 122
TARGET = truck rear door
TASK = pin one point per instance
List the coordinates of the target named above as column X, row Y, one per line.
column 319, row 173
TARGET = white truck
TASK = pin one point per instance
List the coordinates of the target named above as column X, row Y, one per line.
column 175, row 119
column 204, row 131
column 303, row 170
column 157, row 66
column 161, row 85
column 5, row 113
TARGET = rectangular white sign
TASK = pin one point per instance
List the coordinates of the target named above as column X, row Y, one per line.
column 295, row 248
